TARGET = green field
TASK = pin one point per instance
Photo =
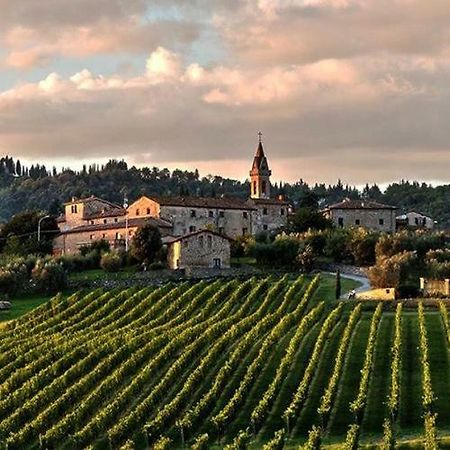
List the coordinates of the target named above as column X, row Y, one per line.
column 161, row 367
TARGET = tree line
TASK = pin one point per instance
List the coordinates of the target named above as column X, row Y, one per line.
column 38, row 187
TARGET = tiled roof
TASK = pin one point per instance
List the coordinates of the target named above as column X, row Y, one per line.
column 195, row 233
column 132, row 223
column 268, row 201
column 95, row 207
column 203, row 202
column 360, row 204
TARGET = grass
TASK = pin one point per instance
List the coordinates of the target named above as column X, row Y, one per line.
column 376, row 410
column 100, row 274
column 22, row 305
column 341, row 417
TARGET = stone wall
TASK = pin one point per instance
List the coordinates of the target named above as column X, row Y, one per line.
column 200, row 250
column 70, row 243
column 269, row 217
column 231, row 222
column 368, row 218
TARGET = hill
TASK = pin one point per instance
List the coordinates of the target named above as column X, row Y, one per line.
column 107, row 369
column 23, row 188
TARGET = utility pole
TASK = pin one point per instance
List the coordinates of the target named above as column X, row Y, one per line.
column 125, row 206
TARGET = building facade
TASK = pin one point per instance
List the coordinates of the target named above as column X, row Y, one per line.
column 203, row 248
column 362, row 213
column 414, row 220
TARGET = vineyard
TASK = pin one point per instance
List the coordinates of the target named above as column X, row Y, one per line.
column 260, row 363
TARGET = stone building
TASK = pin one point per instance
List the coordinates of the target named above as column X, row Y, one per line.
column 90, row 219
column 414, row 220
column 232, row 217
column 202, row 248
column 362, row 213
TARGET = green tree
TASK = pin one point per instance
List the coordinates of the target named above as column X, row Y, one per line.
column 146, row 244
column 19, row 236
column 308, row 218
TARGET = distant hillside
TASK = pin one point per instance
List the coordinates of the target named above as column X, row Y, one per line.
column 36, row 187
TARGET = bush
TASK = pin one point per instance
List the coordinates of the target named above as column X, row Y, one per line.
column 13, row 277
column 100, row 246
column 398, row 271
column 157, row 266
column 111, row 262
column 49, row 276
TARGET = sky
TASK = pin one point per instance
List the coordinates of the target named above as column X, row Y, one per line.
column 352, row 89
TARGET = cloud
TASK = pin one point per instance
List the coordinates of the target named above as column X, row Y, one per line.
column 339, row 87
column 332, row 117
column 35, row 33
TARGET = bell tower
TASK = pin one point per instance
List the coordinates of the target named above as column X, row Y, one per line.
column 260, row 173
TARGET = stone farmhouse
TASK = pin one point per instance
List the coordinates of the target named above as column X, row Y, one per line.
column 362, row 213
column 90, row 219
column 415, row 220
column 203, row 248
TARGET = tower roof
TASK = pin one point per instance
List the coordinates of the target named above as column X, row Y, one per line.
column 259, row 157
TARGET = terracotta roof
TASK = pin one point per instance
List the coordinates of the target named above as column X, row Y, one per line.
column 95, row 207
column 195, row 233
column 360, row 204
column 203, row 202
column 132, row 223
column 268, row 201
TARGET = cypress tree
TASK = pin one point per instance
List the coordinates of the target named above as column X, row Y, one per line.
column 338, row 285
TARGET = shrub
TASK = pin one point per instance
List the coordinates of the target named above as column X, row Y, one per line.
column 13, row 277
column 111, row 262
column 100, row 246
column 49, row 276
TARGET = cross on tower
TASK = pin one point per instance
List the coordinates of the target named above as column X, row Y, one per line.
column 260, row 136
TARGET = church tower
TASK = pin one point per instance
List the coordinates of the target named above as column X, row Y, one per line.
column 260, row 174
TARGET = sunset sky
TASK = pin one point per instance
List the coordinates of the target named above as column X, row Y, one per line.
column 350, row 89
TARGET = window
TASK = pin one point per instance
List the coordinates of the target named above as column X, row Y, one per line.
column 148, row 211
column 200, row 241
column 357, row 222
column 341, row 221
column 381, row 221
column 244, row 231
column 245, row 215
column 105, row 221
column 137, row 212
column 222, row 214
column 221, row 230
column 211, row 213
column 193, row 213
column 254, row 187
column 92, row 236
column 217, row 263
column 264, row 186
column 103, row 236
column 116, row 219
column 265, row 211
column 186, row 243
column 118, row 235
column 74, row 209
column 192, row 229
column 209, row 241
column 92, row 222
column 265, row 227
column 282, row 212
